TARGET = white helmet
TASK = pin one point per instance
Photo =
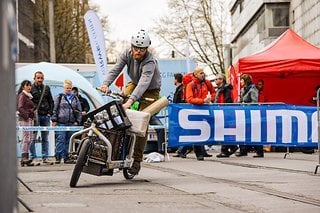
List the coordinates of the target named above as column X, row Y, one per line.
column 141, row 39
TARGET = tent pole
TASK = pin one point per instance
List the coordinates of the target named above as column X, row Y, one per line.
column 239, row 86
column 318, row 118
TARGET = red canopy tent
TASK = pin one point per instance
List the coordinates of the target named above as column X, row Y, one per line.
column 289, row 66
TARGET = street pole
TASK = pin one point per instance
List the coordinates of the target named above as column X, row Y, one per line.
column 51, row 32
column 8, row 160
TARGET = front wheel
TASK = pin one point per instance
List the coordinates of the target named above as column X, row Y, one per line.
column 127, row 175
column 80, row 162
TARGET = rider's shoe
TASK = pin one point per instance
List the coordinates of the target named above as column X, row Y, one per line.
column 135, row 168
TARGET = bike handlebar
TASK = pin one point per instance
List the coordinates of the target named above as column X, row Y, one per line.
column 117, row 95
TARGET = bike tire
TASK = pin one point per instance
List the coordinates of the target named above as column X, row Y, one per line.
column 80, row 162
column 127, row 175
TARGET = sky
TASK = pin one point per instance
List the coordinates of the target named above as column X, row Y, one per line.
column 128, row 16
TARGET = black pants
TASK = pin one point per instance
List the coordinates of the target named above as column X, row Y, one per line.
column 199, row 150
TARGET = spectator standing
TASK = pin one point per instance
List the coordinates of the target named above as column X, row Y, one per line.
column 200, row 91
column 43, row 101
column 178, row 98
column 83, row 102
column 144, row 72
column 249, row 94
column 261, row 96
column 178, row 94
column 66, row 112
column 26, row 115
column 314, row 98
column 223, row 95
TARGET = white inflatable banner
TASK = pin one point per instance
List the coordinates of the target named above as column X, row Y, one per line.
column 96, row 37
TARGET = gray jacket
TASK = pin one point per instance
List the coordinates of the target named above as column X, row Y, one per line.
column 62, row 111
column 249, row 94
column 145, row 74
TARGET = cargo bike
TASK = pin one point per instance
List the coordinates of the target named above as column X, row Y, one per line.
column 107, row 141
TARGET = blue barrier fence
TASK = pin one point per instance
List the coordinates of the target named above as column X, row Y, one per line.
column 255, row 124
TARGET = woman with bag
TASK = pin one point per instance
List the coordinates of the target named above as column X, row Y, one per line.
column 66, row 112
column 26, row 115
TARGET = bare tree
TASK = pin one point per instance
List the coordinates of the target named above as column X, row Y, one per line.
column 206, row 22
column 71, row 37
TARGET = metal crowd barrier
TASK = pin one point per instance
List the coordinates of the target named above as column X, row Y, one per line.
column 49, row 128
column 77, row 128
column 51, row 138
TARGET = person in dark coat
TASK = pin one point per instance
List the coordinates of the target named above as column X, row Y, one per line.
column 178, row 94
column 45, row 110
column 83, row 102
column 178, row 97
column 223, row 95
column 249, row 94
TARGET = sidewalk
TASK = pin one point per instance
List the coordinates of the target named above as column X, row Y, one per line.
column 245, row 184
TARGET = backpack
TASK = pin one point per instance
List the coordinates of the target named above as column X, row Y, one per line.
column 186, row 79
column 73, row 111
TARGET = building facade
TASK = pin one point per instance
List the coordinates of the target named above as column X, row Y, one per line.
column 305, row 19
column 25, row 23
column 256, row 23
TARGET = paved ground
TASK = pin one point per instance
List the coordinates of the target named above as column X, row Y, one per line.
column 245, row 184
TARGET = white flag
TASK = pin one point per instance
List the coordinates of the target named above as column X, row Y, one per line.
column 96, row 37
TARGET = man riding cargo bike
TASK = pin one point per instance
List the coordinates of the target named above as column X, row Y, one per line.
column 143, row 70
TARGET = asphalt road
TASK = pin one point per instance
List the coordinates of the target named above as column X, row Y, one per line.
column 245, row 184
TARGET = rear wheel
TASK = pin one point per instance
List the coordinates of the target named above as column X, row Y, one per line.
column 83, row 153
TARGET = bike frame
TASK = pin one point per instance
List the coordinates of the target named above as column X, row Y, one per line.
column 92, row 130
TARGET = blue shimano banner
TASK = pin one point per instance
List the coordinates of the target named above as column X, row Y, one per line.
column 274, row 124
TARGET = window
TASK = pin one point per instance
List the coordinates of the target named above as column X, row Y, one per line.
column 280, row 17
